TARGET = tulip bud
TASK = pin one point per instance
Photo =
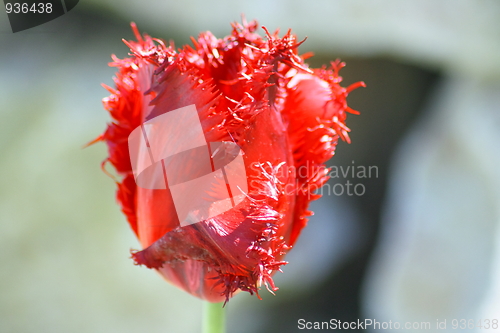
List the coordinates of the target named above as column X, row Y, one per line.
column 220, row 148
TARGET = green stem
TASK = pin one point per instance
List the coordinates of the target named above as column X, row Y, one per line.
column 213, row 318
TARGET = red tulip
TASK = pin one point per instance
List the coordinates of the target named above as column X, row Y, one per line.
column 253, row 91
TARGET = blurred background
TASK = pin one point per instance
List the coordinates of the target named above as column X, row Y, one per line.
column 420, row 244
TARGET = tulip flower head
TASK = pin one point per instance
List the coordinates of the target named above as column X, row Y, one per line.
column 220, row 147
